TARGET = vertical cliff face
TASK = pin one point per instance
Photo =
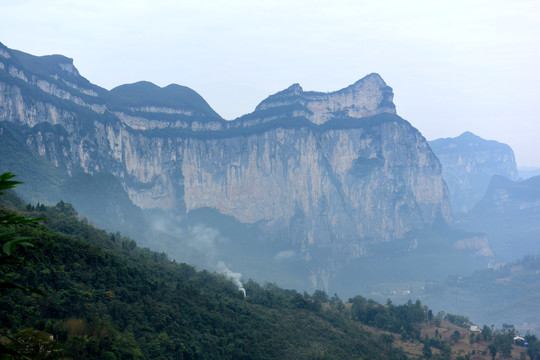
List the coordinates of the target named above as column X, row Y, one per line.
column 468, row 163
column 346, row 184
column 335, row 171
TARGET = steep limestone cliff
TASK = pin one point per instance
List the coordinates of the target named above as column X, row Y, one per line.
column 337, row 172
column 468, row 163
column 345, row 183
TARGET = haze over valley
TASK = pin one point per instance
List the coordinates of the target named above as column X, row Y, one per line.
column 330, row 191
column 269, row 180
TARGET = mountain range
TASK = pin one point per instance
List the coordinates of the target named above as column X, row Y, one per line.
column 316, row 185
column 312, row 190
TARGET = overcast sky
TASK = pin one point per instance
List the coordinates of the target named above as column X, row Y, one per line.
column 455, row 66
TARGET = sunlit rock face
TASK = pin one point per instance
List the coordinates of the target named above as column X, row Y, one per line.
column 468, row 163
column 367, row 97
column 339, row 171
column 345, row 184
column 479, row 243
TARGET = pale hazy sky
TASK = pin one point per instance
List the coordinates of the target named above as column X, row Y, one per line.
column 455, row 66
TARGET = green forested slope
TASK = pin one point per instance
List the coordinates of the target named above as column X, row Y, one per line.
column 107, row 298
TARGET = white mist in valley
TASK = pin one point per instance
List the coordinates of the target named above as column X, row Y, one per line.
column 196, row 245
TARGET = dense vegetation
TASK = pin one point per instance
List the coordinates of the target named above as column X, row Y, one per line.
column 77, row 292
column 107, row 298
column 143, row 93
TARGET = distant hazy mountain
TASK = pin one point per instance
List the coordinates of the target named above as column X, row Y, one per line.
column 468, row 162
column 526, row 172
column 317, row 180
column 507, row 294
column 510, row 214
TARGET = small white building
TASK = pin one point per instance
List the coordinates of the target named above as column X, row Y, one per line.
column 474, row 328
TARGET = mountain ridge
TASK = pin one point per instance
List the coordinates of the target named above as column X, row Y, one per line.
column 144, row 96
column 366, row 97
column 333, row 174
column 468, row 162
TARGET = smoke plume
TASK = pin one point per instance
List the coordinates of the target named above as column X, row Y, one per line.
column 196, row 244
column 233, row 276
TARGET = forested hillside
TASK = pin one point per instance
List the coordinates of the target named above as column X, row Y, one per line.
column 76, row 292
column 107, row 298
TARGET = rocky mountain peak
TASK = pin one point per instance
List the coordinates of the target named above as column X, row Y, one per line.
column 470, row 139
column 367, row 97
column 4, row 51
column 47, row 65
column 372, row 79
column 468, row 135
column 468, row 162
column 294, row 89
column 54, row 75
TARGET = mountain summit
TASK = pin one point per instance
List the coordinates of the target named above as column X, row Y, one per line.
column 367, row 97
column 468, row 163
column 145, row 97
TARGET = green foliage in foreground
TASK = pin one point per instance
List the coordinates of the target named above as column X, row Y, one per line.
column 106, row 298
column 82, row 293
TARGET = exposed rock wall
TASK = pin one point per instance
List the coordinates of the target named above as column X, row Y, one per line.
column 480, row 243
column 468, row 163
column 341, row 171
column 367, row 97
